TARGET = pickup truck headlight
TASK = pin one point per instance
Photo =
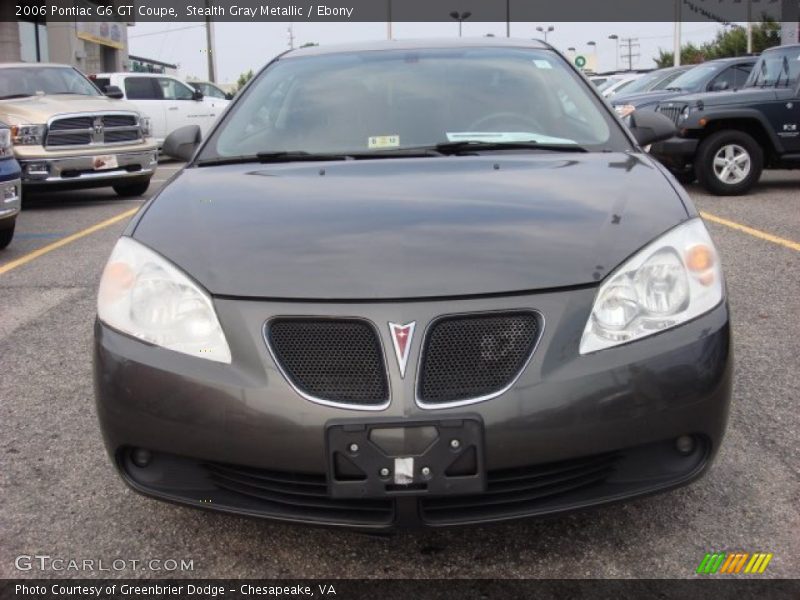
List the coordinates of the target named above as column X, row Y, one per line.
column 27, row 135
column 144, row 295
column 146, row 125
column 669, row 282
column 5, row 143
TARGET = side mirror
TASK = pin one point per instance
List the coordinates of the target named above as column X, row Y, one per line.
column 113, row 91
column 228, row 96
column 183, row 142
column 197, row 95
column 649, row 127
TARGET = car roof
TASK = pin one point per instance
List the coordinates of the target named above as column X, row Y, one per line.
column 419, row 44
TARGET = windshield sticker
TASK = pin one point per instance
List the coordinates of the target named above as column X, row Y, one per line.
column 505, row 136
column 542, row 64
column 383, row 141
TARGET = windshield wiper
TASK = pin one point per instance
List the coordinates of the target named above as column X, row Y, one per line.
column 674, row 89
column 10, row 96
column 476, row 145
column 270, row 157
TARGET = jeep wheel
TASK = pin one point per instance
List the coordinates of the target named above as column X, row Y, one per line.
column 729, row 163
column 7, row 233
column 128, row 190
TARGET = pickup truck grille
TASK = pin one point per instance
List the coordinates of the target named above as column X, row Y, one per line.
column 93, row 129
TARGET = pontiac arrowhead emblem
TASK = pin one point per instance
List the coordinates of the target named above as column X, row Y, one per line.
column 401, row 339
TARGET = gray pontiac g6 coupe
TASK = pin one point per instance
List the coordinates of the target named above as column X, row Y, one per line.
column 411, row 284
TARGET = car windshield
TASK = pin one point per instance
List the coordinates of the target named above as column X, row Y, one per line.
column 694, row 79
column 608, row 83
column 776, row 68
column 30, row 81
column 387, row 101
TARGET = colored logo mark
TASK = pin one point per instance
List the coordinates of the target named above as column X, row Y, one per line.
column 734, row 562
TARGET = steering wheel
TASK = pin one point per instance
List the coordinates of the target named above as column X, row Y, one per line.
column 528, row 123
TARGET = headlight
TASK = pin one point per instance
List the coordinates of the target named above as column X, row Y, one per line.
column 685, row 113
column 145, row 296
column 671, row 281
column 623, row 110
column 146, row 126
column 5, row 143
column 27, row 135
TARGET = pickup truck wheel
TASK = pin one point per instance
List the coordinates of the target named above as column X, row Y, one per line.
column 128, row 190
column 729, row 163
column 6, row 233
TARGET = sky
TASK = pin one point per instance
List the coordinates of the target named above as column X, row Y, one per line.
column 243, row 46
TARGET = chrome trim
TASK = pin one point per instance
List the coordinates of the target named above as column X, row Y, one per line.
column 322, row 401
column 97, row 137
column 484, row 398
column 146, row 159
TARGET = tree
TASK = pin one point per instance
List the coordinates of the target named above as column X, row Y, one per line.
column 243, row 79
column 731, row 41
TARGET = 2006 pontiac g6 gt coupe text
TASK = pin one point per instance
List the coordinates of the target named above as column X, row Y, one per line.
column 414, row 283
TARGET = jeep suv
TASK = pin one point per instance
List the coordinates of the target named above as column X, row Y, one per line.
column 67, row 134
column 726, row 139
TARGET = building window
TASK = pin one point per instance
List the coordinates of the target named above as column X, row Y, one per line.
column 33, row 47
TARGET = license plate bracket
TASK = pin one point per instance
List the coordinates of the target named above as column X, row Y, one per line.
column 398, row 457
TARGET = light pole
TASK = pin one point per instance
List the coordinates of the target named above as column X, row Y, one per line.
column 593, row 45
column 615, row 37
column 545, row 31
column 460, row 17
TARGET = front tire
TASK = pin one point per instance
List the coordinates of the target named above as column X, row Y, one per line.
column 6, row 233
column 130, row 190
column 729, row 163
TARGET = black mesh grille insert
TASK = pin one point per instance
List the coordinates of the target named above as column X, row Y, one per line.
column 470, row 356
column 338, row 360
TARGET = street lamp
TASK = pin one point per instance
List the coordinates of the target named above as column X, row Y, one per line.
column 615, row 37
column 545, row 31
column 460, row 17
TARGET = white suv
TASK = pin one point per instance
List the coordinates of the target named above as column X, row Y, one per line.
column 169, row 102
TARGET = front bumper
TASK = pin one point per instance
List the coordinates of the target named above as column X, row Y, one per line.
column 676, row 152
column 573, row 431
column 10, row 191
column 79, row 170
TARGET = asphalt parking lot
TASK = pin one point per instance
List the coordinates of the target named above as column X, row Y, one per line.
column 61, row 497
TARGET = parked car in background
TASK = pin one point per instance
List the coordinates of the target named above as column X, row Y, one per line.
column 712, row 76
column 211, row 90
column 616, row 83
column 725, row 140
column 652, row 81
column 66, row 134
column 169, row 102
column 10, row 187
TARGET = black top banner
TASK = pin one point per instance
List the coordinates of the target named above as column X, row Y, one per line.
column 721, row 11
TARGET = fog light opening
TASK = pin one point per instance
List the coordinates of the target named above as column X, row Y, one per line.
column 685, row 444
column 141, row 457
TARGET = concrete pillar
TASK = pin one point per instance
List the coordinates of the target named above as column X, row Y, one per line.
column 9, row 33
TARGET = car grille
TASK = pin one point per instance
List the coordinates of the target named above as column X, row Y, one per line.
column 93, row 130
column 332, row 360
column 522, row 490
column 672, row 112
column 473, row 357
column 306, row 495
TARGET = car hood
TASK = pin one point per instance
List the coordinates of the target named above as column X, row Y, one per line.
column 741, row 96
column 411, row 227
column 645, row 98
column 38, row 109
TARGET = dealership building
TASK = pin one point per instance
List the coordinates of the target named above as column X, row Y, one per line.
column 92, row 46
